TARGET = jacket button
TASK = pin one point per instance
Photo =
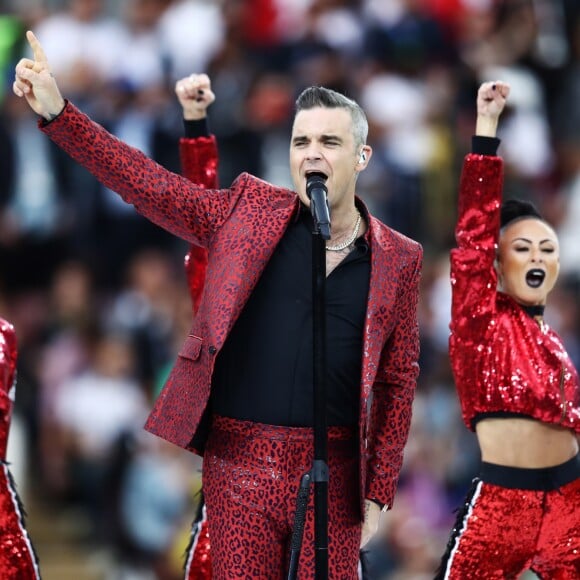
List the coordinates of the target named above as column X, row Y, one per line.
column 212, row 350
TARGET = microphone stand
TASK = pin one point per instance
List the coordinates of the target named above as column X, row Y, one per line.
column 319, row 470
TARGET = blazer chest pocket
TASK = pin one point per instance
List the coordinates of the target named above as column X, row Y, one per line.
column 191, row 348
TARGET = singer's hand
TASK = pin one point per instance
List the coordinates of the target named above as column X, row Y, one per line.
column 370, row 525
column 195, row 96
column 36, row 84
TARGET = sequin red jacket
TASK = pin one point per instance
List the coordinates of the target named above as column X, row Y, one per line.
column 17, row 557
column 199, row 160
column 8, row 354
column 241, row 226
column 502, row 359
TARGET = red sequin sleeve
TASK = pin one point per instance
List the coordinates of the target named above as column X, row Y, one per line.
column 199, row 163
column 17, row 557
column 7, row 377
column 473, row 277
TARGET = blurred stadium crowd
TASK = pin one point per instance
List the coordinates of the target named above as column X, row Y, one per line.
column 99, row 298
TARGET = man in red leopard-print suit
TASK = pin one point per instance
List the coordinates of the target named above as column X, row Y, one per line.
column 241, row 390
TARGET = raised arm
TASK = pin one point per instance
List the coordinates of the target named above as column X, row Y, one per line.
column 198, row 148
column 199, row 163
column 190, row 211
column 480, row 191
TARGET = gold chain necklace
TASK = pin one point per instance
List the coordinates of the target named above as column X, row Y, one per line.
column 350, row 240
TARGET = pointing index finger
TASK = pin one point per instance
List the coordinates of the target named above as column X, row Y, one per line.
column 37, row 49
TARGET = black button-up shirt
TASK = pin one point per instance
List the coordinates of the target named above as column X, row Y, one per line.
column 264, row 371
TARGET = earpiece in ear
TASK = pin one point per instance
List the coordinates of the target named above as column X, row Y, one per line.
column 362, row 157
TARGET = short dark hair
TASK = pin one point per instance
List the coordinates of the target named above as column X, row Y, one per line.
column 515, row 209
column 316, row 96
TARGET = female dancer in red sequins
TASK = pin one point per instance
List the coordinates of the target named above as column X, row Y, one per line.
column 17, row 557
column 518, row 389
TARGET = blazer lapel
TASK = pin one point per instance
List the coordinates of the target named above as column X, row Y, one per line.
column 252, row 257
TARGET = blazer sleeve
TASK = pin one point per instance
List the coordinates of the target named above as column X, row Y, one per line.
column 171, row 201
column 394, row 391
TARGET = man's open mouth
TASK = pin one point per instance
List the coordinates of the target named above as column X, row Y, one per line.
column 319, row 174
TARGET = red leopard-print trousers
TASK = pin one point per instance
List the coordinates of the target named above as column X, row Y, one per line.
column 251, row 475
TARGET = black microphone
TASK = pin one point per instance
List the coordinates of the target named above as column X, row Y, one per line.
column 317, row 192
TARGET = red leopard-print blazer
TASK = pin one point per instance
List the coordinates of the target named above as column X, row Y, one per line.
column 241, row 226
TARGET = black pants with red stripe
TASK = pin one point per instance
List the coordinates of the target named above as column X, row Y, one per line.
column 518, row 519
